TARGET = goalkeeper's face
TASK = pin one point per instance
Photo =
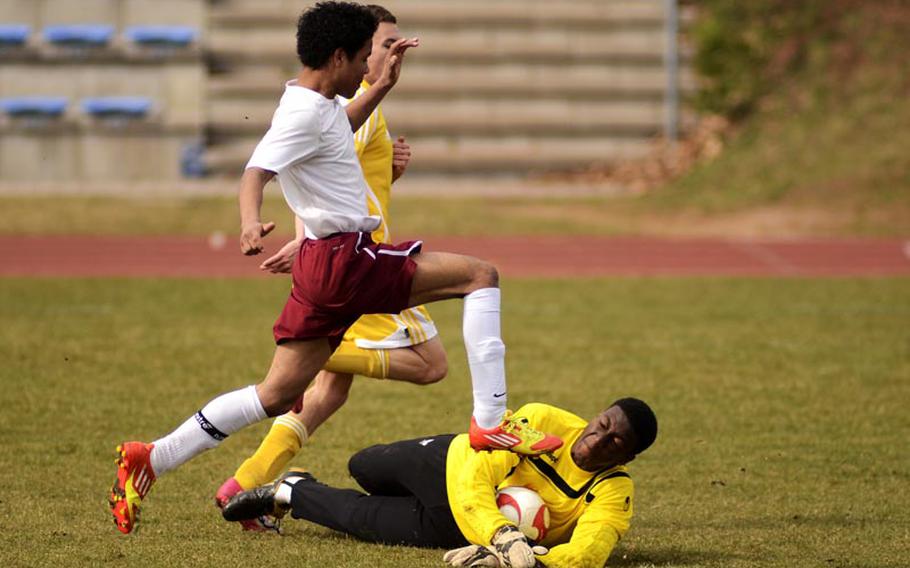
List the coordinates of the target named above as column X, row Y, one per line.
column 607, row 441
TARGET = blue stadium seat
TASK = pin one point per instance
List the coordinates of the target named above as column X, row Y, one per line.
column 34, row 106
column 192, row 160
column 129, row 107
column 13, row 35
column 87, row 35
column 166, row 36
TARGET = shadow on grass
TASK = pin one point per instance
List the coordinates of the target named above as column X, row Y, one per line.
column 668, row 556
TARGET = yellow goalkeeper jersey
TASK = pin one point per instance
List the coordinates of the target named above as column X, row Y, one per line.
column 589, row 512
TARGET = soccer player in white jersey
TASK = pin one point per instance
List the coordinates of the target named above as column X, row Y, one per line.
column 402, row 347
column 339, row 273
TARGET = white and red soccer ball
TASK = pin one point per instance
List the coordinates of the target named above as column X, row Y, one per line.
column 526, row 509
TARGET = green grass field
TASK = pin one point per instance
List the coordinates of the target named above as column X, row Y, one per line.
column 713, row 209
column 782, row 405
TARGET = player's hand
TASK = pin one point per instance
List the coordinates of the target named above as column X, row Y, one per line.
column 251, row 237
column 471, row 556
column 401, row 157
column 512, row 548
column 283, row 260
column 391, row 67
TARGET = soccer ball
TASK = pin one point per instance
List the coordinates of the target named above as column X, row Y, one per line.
column 526, row 509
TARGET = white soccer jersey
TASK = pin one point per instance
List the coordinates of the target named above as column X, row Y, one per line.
column 310, row 147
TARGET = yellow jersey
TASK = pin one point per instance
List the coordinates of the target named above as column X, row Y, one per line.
column 374, row 150
column 589, row 511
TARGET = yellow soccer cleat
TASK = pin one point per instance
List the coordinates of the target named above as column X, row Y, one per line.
column 134, row 480
column 512, row 434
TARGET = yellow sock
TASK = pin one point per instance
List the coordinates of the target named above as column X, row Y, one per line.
column 285, row 438
column 349, row 358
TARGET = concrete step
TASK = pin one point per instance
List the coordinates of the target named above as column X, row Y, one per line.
column 412, row 14
column 467, row 45
column 517, row 154
column 595, row 82
column 478, row 116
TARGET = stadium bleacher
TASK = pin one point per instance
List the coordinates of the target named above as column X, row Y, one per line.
column 496, row 88
column 108, row 89
column 14, row 35
column 78, row 35
column 51, row 107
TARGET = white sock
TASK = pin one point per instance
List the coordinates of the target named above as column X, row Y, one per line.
column 206, row 429
column 486, row 355
column 285, row 490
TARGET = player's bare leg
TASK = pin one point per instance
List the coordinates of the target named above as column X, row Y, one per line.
column 421, row 364
column 441, row 276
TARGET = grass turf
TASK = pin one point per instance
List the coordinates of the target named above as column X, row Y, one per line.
column 782, row 406
column 712, row 209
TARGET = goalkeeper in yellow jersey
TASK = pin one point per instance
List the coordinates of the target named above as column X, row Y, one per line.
column 402, row 346
column 437, row 492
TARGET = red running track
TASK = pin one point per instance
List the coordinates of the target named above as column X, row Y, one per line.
column 533, row 256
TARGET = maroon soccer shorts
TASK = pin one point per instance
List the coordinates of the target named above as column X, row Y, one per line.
column 338, row 279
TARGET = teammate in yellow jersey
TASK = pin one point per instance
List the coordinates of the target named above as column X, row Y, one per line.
column 402, row 346
column 437, row 492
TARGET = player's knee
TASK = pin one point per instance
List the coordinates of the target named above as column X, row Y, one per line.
column 434, row 371
column 485, row 275
column 276, row 403
column 358, row 465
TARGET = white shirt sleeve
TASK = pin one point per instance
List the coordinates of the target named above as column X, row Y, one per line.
column 293, row 137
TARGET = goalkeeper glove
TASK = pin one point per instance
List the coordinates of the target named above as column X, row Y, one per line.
column 472, row 556
column 512, row 548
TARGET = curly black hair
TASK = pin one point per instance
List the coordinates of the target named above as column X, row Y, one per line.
column 642, row 420
column 328, row 26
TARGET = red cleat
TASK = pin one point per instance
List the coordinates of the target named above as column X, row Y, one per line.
column 134, row 480
column 512, row 434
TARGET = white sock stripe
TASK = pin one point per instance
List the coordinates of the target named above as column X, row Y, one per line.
column 298, row 428
column 294, row 424
column 292, row 420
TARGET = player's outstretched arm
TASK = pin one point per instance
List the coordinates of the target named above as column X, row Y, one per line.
column 252, row 229
column 360, row 108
